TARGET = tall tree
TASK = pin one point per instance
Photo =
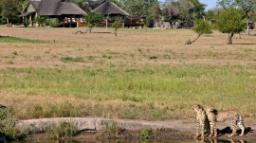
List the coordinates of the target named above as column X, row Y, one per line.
column 12, row 8
column 247, row 6
column 185, row 10
column 231, row 21
column 137, row 7
column 148, row 9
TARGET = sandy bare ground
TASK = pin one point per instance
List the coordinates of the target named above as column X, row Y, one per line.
column 173, row 129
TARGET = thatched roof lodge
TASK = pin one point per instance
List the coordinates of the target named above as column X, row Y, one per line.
column 65, row 9
column 60, row 9
column 53, row 8
column 107, row 8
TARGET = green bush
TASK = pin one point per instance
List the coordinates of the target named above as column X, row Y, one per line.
column 72, row 59
column 40, row 20
column 92, row 19
column 52, row 22
column 3, row 114
column 26, row 22
column 116, row 25
column 145, row 134
column 8, row 128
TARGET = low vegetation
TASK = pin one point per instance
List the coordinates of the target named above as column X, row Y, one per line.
column 9, row 39
column 72, row 59
column 162, row 92
column 8, row 131
column 142, row 71
column 145, row 135
column 116, row 25
column 62, row 131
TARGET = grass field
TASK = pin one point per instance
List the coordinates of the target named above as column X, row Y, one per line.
column 141, row 74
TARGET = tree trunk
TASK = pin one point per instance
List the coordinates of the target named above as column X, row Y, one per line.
column 115, row 32
column 198, row 36
column 7, row 21
column 230, row 37
column 190, row 42
column 90, row 29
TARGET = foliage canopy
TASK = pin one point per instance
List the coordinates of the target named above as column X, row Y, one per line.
column 92, row 19
column 231, row 21
column 202, row 27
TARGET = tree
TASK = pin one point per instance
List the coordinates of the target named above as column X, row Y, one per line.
column 92, row 19
column 200, row 27
column 148, row 9
column 12, row 8
column 9, row 9
column 153, row 14
column 231, row 21
column 247, row 6
column 184, row 10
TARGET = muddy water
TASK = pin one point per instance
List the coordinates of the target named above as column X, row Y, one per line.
column 84, row 141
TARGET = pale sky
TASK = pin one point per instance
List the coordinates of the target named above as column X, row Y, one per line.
column 210, row 3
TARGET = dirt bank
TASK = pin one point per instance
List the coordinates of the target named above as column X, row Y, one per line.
column 98, row 128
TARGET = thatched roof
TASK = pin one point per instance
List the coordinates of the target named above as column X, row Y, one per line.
column 54, row 8
column 110, row 8
column 93, row 4
column 35, row 3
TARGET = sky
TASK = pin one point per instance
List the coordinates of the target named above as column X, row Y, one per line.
column 210, row 3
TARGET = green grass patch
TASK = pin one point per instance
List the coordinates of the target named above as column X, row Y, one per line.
column 9, row 39
column 72, row 59
column 161, row 92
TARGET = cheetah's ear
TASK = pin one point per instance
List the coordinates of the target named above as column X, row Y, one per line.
column 213, row 110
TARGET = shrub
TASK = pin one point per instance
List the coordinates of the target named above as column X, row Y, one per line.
column 62, row 131
column 93, row 19
column 26, row 22
column 40, row 20
column 52, row 22
column 145, row 134
column 116, row 25
column 8, row 128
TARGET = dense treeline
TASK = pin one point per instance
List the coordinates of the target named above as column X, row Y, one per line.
column 230, row 16
column 150, row 10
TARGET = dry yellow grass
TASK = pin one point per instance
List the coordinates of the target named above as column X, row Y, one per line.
column 122, row 77
column 131, row 48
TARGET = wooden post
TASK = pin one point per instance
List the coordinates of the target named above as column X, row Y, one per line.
column 107, row 23
column 30, row 21
column 37, row 24
column 77, row 24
